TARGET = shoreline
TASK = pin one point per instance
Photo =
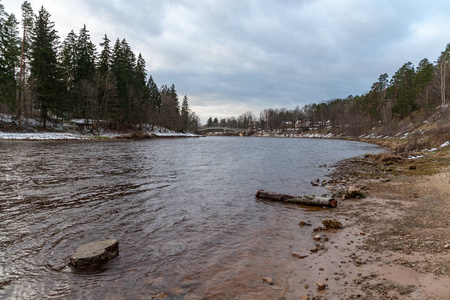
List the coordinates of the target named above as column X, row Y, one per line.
column 394, row 243
column 67, row 136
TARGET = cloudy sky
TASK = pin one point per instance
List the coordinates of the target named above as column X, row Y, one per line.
column 234, row 56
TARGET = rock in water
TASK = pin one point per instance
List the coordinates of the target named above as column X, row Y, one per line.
column 95, row 254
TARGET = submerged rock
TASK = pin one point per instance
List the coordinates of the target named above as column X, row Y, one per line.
column 95, row 254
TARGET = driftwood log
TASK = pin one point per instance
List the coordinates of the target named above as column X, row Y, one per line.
column 309, row 200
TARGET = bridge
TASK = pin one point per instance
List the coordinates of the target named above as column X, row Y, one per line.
column 225, row 130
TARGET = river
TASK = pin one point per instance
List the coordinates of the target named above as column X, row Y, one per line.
column 183, row 210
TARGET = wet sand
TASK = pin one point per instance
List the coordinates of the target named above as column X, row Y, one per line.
column 394, row 243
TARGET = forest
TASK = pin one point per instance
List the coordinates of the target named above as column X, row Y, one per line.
column 42, row 77
column 409, row 92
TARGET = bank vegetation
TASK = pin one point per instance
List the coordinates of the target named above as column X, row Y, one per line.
column 42, row 77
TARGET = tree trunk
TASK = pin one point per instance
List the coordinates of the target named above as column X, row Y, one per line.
column 442, row 87
column 309, row 200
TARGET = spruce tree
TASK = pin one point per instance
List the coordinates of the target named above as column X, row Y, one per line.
column 68, row 64
column 184, row 114
column 45, row 71
column 141, row 92
column 104, row 63
column 27, row 26
column 9, row 58
column 85, row 87
column 123, row 66
column 155, row 96
column 105, row 80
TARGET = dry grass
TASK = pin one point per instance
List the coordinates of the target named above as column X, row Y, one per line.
column 386, row 156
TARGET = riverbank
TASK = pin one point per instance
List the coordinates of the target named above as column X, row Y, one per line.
column 104, row 135
column 39, row 136
column 394, row 243
column 31, row 130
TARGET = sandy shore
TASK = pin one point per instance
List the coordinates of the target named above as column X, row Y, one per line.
column 394, row 243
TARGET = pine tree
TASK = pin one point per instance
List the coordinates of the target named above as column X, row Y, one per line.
column 49, row 85
column 405, row 100
column 442, row 72
column 421, row 82
column 376, row 105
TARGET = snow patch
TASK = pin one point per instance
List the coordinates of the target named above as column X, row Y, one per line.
column 415, row 156
column 42, row 136
column 6, row 118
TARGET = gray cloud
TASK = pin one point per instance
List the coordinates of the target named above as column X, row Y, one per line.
column 227, row 55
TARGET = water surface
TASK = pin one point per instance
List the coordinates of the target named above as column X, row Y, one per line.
column 183, row 210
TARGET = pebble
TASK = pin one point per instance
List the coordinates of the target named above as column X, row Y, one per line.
column 160, row 296
column 301, row 223
column 299, row 255
column 269, row 280
column 320, row 286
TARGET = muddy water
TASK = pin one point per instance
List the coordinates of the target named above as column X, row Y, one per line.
column 183, row 210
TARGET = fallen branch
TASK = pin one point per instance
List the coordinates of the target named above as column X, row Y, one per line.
column 310, row 200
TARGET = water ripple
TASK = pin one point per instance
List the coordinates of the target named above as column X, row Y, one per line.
column 183, row 211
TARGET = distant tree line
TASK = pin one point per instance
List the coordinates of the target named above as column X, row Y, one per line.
column 39, row 75
column 411, row 89
column 246, row 120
